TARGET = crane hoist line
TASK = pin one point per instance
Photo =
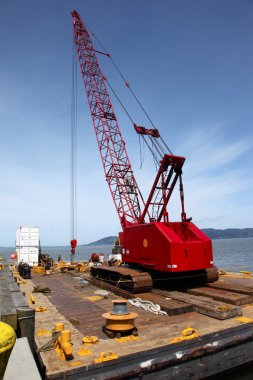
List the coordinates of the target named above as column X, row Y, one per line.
column 152, row 246
column 73, row 216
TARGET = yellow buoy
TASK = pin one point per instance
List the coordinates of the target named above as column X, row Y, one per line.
column 7, row 340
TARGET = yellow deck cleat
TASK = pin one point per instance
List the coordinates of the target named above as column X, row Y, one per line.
column 124, row 339
column 83, row 351
column 188, row 333
column 104, row 358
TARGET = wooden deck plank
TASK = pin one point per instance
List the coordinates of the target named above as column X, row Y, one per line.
column 238, row 286
column 204, row 305
column 171, row 306
column 222, row 295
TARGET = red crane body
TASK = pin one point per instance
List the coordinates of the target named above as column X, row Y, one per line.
column 156, row 243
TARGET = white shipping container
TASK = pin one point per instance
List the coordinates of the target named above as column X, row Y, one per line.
column 29, row 255
column 27, row 237
column 28, row 245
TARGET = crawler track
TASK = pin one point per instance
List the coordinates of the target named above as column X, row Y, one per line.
column 137, row 281
column 212, row 274
column 128, row 279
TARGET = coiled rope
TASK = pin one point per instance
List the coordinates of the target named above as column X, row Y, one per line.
column 147, row 305
column 51, row 343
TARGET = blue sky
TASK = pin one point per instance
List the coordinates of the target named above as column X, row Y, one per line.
column 190, row 63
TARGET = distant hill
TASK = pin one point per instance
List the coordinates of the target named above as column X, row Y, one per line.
column 228, row 233
column 109, row 240
column 210, row 232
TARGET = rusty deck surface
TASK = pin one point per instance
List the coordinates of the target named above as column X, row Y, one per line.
column 75, row 302
column 68, row 301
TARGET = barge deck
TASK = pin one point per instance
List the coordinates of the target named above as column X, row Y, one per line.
column 224, row 329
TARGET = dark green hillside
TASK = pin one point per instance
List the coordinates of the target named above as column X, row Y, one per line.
column 228, row 233
column 210, row 232
column 109, row 240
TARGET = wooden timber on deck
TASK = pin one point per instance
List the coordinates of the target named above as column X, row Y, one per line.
column 233, row 283
column 204, row 305
column 222, row 295
column 207, row 301
column 172, row 307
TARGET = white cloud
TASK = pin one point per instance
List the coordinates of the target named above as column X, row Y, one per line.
column 216, row 179
column 207, row 149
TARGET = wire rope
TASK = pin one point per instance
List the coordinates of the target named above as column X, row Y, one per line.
column 156, row 160
column 124, row 79
column 120, row 101
column 73, row 207
column 130, row 89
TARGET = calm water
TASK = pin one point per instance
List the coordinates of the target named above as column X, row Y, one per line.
column 229, row 254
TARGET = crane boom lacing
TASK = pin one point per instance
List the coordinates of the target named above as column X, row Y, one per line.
column 117, row 167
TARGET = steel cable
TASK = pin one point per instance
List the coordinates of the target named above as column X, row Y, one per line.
column 133, row 94
column 73, row 207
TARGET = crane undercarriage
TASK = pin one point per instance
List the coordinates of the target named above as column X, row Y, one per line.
column 137, row 281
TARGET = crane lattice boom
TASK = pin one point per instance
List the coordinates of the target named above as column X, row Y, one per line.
column 118, row 171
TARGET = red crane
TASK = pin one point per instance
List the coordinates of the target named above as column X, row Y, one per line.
column 149, row 239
